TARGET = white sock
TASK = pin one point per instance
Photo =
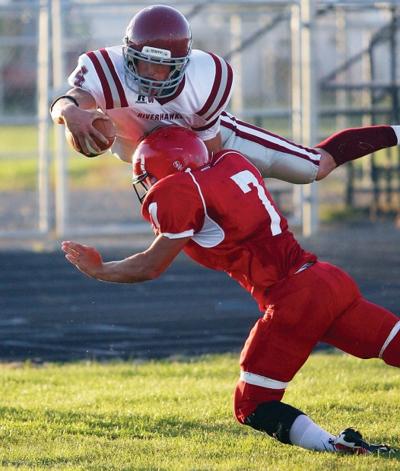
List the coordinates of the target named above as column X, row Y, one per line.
column 396, row 129
column 307, row 434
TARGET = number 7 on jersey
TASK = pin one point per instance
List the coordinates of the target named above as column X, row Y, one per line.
column 247, row 181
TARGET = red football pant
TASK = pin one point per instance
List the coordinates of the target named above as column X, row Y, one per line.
column 322, row 303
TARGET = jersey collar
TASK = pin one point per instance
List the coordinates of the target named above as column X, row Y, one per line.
column 163, row 101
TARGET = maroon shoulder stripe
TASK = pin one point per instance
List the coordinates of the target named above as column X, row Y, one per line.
column 103, row 80
column 121, row 93
column 215, row 87
column 226, row 92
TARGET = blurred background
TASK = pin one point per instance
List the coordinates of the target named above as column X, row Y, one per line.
column 303, row 70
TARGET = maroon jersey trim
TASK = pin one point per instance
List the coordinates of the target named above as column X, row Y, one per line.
column 103, row 80
column 162, row 101
column 207, row 126
column 269, row 133
column 226, row 92
column 121, row 93
column 215, row 87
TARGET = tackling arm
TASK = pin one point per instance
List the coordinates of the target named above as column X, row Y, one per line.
column 143, row 266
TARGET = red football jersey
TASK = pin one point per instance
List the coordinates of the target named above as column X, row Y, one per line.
column 232, row 220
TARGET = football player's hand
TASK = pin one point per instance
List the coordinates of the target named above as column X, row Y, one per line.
column 87, row 259
column 80, row 123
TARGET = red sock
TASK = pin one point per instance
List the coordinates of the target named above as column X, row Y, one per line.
column 353, row 143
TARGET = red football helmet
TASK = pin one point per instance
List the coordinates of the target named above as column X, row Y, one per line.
column 167, row 150
column 158, row 34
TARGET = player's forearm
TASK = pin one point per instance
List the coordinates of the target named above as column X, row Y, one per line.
column 134, row 269
column 74, row 98
column 214, row 145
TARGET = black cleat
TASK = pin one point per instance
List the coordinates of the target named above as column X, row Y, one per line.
column 350, row 441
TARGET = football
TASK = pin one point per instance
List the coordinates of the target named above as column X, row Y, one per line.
column 106, row 127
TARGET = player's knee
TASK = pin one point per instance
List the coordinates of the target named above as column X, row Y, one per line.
column 261, row 409
column 247, row 397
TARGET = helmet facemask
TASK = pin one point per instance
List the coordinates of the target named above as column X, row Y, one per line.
column 146, row 86
column 140, row 179
column 141, row 186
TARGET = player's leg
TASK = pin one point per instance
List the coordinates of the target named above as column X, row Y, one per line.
column 257, row 399
column 367, row 330
column 277, row 347
column 277, row 157
column 353, row 143
column 293, row 427
column 275, row 350
column 273, row 155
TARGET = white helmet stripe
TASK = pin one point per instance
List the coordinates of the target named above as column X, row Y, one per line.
column 142, row 167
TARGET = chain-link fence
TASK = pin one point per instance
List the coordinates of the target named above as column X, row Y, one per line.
column 45, row 187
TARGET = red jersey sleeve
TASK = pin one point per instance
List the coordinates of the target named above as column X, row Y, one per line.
column 174, row 207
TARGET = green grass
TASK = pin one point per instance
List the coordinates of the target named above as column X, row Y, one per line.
column 103, row 171
column 18, row 138
column 19, row 165
column 176, row 415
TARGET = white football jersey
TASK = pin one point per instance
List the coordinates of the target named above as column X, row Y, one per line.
column 197, row 104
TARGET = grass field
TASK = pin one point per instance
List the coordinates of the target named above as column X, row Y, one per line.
column 19, row 163
column 176, row 415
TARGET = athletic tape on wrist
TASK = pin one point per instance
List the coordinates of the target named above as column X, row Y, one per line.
column 68, row 97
